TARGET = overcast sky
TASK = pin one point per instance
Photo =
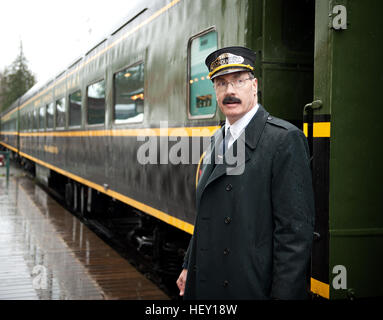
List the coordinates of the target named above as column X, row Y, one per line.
column 54, row 33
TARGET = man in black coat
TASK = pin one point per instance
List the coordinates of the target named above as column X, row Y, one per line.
column 255, row 203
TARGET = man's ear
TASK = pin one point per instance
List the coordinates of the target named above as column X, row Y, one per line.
column 255, row 84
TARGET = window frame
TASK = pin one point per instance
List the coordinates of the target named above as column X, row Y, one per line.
column 188, row 73
column 125, row 122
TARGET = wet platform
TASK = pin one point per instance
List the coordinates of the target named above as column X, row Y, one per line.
column 46, row 253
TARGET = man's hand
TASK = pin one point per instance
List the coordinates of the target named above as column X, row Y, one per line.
column 181, row 281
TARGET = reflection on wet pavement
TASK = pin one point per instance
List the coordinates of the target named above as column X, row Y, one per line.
column 47, row 253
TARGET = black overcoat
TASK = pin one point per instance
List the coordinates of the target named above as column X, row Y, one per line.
column 253, row 231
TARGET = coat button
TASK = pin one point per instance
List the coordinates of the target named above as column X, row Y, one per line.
column 225, row 283
column 226, row 251
column 227, row 220
column 229, row 187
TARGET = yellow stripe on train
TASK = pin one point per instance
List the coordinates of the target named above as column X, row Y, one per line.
column 320, row 129
column 320, row 288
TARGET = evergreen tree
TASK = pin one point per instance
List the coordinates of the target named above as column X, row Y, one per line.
column 15, row 80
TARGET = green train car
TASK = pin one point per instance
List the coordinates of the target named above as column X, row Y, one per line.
column 130, row 118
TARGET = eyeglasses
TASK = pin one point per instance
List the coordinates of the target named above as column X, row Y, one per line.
column 222, row 84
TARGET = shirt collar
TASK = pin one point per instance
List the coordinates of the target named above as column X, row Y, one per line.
column 237, row 127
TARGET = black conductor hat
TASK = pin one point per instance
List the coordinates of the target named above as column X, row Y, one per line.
column 229, row 60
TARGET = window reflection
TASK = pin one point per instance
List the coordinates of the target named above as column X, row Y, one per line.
column 30, row 120
column 35, row 119
column 75, row 108
column 60, row 112
column 96, row 103
column 129, row 95
column 202, row 95
column 50, row 115
column 42, row 117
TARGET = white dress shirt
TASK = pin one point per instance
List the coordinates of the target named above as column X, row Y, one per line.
column 237, row 127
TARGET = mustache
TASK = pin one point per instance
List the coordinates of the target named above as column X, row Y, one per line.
column 230, row 99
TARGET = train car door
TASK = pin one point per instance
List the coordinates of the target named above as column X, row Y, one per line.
column 282, row 35
column 348, row 74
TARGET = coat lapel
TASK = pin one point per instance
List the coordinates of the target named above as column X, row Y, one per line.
column 255, row 128
column 251, row 136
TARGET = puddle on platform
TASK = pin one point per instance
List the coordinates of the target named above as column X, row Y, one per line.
column 34, row 236
column 47, row 253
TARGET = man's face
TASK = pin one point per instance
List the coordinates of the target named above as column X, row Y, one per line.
column 235, row 102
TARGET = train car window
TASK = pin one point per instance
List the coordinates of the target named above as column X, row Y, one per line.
column 22, row 122
column 75, row 109
column 50, row 115
column 35, row 119
column 96, row 103
column 60, row 113
column 129, row 95
column 30, row 123
column 9, row 125
column 25, row 124
column 202, row 100
column 42, row 118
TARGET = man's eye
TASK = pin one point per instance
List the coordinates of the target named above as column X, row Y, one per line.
column 239, row 81
column 221, row 83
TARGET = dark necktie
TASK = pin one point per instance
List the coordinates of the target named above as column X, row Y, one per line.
column 223, row 146
column 226, row 140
